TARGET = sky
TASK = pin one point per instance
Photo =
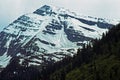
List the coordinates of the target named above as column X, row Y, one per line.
column 12, row 9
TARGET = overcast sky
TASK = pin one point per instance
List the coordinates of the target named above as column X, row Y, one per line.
column 12, row 9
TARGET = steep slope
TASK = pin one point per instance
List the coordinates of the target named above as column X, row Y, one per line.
column 47, row 35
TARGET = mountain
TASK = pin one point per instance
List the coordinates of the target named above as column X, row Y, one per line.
column 49, row 34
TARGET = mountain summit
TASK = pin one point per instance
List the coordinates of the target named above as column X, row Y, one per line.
column 48, row 35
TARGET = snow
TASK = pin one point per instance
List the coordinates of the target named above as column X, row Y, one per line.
column 37, row 60
column 21, row 60
column 8, row 42
column 93, row 34
column 18, row 54
column 4, row 60
column 60, row 40
column 31, row 63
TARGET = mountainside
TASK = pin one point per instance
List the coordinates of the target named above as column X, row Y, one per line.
column 48, row 35
column 101, row 61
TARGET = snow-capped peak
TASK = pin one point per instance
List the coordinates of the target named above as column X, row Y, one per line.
column 53, row 10
column 50, row 10
column 49, row 34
